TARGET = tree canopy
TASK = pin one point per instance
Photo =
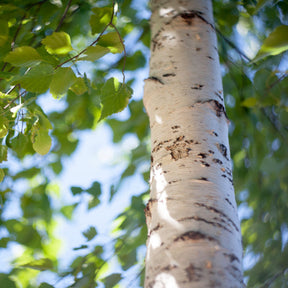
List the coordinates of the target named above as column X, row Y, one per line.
column 87, row 54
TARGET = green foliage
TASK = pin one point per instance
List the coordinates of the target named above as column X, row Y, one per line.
column 23, row 57
column 274, row 44
column 114, row 97
column 90, row 233
column 41, row 264
column 58, row 43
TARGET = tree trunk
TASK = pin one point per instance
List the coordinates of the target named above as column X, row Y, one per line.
column 194, row 233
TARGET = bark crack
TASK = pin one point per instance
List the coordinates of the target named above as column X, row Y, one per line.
column 210, row 208
column 194, row 236
column 196, row 218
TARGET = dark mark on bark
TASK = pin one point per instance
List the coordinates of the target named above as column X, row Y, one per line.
column 193, row 273
column 194, row 236
column 204, row 164
column 218, row 107
column 219, row 94
column 223, row 150
column 215, row 224
column 202, row 155
column 229, row 202
column 156, row 228
column 210, row 208
column 156, row 79
column 197, row 87
column 175, row 127
column 217, row 161
column 169, row 75
column 232, row 257
column 169, row 267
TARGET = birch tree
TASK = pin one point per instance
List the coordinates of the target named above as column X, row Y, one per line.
column 193, row 229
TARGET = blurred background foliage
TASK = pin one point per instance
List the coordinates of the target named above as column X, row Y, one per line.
column 254, row 68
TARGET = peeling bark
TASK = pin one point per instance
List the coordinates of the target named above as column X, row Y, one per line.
column 193, row 229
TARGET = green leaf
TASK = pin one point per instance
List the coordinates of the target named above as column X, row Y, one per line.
column 95, row 189
column 37, row 79
column 79, row 87
column 93, row 203
column 90, row 233
column 112, row 280
column 4, row 124
column 249, row 102
column 68, row 210
column 274, row 44
column 57, row 43
column 24, row 56
column 6, row 281
column 260, row 4
column 100, row 18
column 45, row 285
column 41, row 141
column 3, row 153
column 29, row 173
column 62, row 80
column 93, row 53
column 76, row 190
column 112, row 42
column 4, row 32
column 2, row 174
column 41, row 264
column 114, row 97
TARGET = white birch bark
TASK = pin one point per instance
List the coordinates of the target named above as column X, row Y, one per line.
column 193, row 229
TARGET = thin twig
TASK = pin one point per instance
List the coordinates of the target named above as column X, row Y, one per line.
column 124, row 50
column 93, row 43
column 64, row 15
column 233, row 45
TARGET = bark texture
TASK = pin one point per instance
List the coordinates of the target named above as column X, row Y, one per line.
column 194, row 234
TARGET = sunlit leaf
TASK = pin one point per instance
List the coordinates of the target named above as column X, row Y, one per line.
column 112, row 42
column 2, row 174
column 274, row 44
column 23, row 56
column 249, row 102
column 68, row 210
column 90, row 233
column 41, row 264
column 62, row 80
column 3, row 126
column 93, row 53
column 93, row 203
column 100, row 18
column 41, row 141
column 3, row 153
column 58, row 43
column 114, row 97
column 37, row 79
